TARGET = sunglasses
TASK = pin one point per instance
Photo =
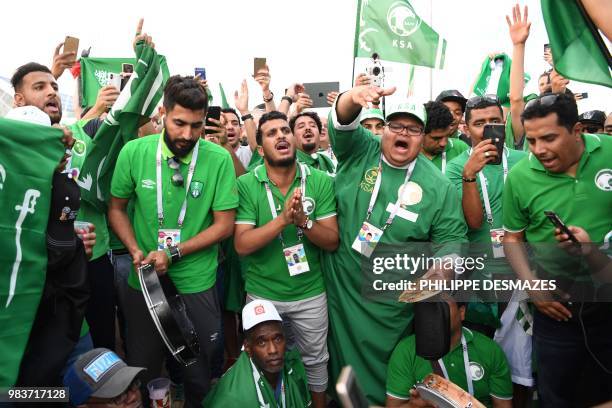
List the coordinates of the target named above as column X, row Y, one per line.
column 544, row 101
column 177, row 177
column 477, row 100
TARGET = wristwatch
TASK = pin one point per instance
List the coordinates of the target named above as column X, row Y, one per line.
column 173, row 253
column 307, row 225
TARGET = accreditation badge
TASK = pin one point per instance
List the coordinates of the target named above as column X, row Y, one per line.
column 295, row 257
column 497, row 238
column 367, row 239
column 167, row 238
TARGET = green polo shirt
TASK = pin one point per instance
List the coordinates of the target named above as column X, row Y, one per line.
column 318, row 161
column 454, row 148
column 213, row 188
column 87, row 212
column 267, row 274
column 494, row 177
column 488, row 366
column 365, row 329
column 584, row 200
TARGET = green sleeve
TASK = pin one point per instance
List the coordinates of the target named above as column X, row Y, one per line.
column 515, row 218
column 226, row 192
column 246, row 213
column 326, row 198
column 500, row 382
column 449, row 225
column 454, row 172
column 347, row 140
column 400, row 371
column 256, row 160
column 122, row 184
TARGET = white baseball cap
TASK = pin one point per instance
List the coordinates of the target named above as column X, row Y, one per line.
column 29, row 114
column 258, row 311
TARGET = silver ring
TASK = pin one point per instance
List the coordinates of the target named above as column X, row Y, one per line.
column 486, row 154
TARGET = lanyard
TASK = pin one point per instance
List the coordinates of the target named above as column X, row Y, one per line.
column 466, row 364
column 257, row 379
column 485, row 190
column 444, row 162
column 160, row 204
column 377, row 189
column 273, row 206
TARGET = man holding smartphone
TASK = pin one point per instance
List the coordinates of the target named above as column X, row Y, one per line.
column 480, row 185
column 567, row 172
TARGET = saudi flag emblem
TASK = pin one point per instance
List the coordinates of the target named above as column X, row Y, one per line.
column 196, row 189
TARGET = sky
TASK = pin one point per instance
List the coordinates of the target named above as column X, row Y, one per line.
column 303, row 41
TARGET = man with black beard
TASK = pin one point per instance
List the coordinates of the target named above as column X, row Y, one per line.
column 286, row 219
column 306, row 127
column 190, row 186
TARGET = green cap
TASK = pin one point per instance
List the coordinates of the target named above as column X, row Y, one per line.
column 371, row 114
column 414, row 109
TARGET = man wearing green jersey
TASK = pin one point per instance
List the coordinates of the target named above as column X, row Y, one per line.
column 438, row 146
column 381, row 184
column 569, row 173
column 455, row 102
column 285, row 221
column 306, row 127
column 475, row 363
column 184, row 188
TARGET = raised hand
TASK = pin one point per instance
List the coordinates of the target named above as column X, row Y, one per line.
column 61, row 61
column 241, row 99
column 140, row 36
column 263, row 78
column 519, row 26
column 303, row 102
column 364, row 94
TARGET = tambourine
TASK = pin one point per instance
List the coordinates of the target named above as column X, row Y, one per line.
column 413, row 296
column 169, row 315
column 445, row 394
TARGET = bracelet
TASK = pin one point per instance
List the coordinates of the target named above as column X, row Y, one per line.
column 169, row 255
column 269, row 99
column 468, row 180
column 288, row 99
column 175, row 252
column 246, row 117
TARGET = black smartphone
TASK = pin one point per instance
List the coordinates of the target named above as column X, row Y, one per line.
column 214, row 112
column 126, row 69
column 201, row 72
column 349, row 391
column 497, row 133
column 546, row 47
column 556, row 221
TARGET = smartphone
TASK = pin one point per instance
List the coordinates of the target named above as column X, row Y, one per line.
column 214, row 112
column 546, row 47
column 351, row 395
column 71, row 44
column 556, row 221
column 497, row 133
column 583, row 95
column 114, row 80
column 126, row 69
column 258, row 63
column 200, row 71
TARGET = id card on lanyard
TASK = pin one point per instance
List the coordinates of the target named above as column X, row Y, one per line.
column 466, row 366
column 295, row 255
column 369, row 235
column 496, row 234
column 259, row 385
column 167, row 237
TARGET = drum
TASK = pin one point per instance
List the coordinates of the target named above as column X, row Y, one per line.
column 169, row 315
column 445, row 394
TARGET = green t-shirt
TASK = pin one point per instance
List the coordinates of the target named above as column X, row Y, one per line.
column 584, row 200
column 488, row 366
column 87, row 212
column 318, row 161
column 364, row 331
column 454, row 148
column 494, row 177
column 237, row 386
column 213, row 188
column 267, row 274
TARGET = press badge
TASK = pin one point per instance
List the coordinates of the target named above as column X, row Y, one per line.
column 295, row 257
column 167, row 238
column 367, row 239
column 497, row 237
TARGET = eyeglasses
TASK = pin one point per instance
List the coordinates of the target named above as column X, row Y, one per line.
column 544, row 101
column 477, row 100
column 120, row 399
column 177, row 177
column 411, row 129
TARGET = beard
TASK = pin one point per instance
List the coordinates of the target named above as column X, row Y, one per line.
column 309, row 147
column 172, row 145
column 286, row 162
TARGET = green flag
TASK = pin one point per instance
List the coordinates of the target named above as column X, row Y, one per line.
column 394, row 31
column 494, row 78
column 29, row 155
column 138, row 99
column 578, row 51
column 224, row 103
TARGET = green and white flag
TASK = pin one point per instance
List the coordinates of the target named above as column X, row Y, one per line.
column 578, row 50
column 494, row 78
column 29, row 155
column 224, row 103
column 393, row 30
column 138, row 99
column 96, row 72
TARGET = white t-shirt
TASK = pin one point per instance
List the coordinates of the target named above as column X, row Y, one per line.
column 244, row 154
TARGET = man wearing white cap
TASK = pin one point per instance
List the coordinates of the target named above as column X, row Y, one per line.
column 386, row 188
column 264, row 375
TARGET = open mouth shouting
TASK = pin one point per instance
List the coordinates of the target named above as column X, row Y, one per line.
column 52, row 106
column 282, row 146
column 401, row 146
